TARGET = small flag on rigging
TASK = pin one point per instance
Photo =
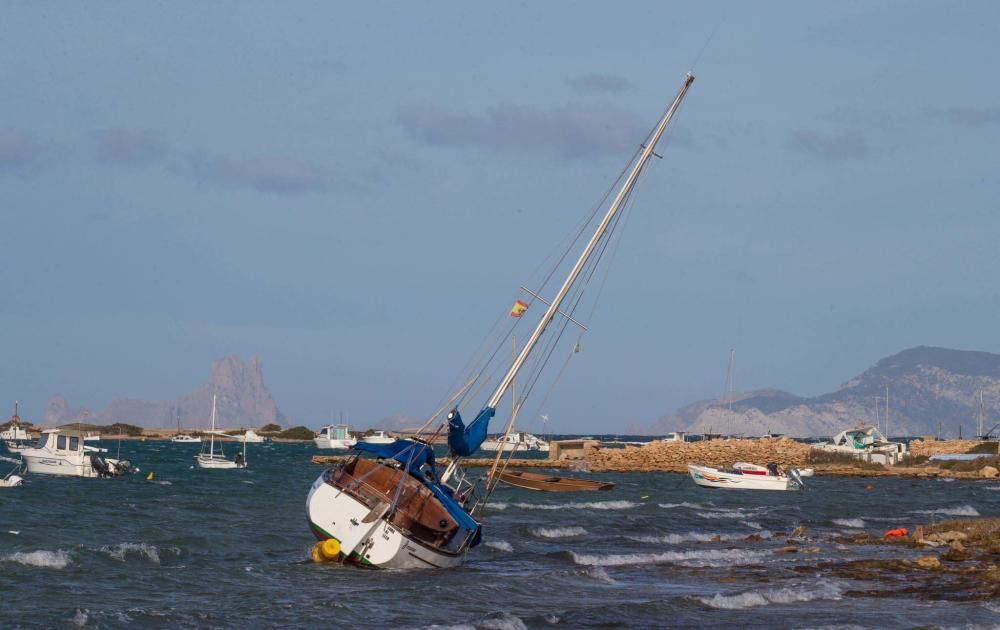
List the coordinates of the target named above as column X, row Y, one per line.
column 519, row 308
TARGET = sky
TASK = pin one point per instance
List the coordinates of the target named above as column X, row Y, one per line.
column 354, row 191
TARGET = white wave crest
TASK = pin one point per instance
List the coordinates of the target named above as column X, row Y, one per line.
column 724, row 513
column 587, row 505
column 965, row 510
column 598, row 573
column 849, row 522
column 701, row 558
column 500, row 545
column 670, row 506
column 122, row 551
column 676, row 539
column 753, row 525
column 496, row 506
column 161, row 482
column 992, row 488
column 558, row 532
column 505, row 621
column 763, row 597
column 81, row 618
column 58, row 559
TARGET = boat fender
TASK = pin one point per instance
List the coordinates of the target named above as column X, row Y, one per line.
column 326, row 551
column 899, row 532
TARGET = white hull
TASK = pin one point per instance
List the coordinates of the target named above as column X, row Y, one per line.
column 708, row 477
column 322, row 442
column 377, row 544
column 16, row 447
column 216, row 462
column 491, row 445
column 66, row 466
column 185, row 439
column 10, row 482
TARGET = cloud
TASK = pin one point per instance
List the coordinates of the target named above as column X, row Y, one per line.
column 571, row 132
column 18, row 152
column 282, row 176
column 124, row 146
column 969, row 116
column 845, row 145
column 603, row 83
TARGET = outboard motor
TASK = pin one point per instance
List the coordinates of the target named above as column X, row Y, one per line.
column 796, row 477
column 123, row 467
column 100, row 465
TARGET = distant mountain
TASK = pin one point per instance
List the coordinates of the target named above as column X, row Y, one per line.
column 927, row 386
column 243, row 400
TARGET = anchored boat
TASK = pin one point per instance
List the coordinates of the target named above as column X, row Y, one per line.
column 737, row 479
column 62, row 452
column 388, row 505
column 211, row 459
column 552, row 483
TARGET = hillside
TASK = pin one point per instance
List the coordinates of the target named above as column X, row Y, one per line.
column 243, row 400
column 927, row 386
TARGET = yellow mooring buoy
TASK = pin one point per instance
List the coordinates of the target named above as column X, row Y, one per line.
column 326, row 551
column 149, row 477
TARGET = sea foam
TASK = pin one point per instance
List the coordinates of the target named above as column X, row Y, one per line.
column 558, row 532
column 676, row 539
column 143, row 551
column 965, row 510
column 701, row 558
column 764, row 597
column 47, row 559
column 587, row 505
column 500, row 545
column 849, row 522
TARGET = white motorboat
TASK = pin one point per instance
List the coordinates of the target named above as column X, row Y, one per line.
column 378, row 437
column 184, row 438
column 520, row 441
column 218, row 461
column 337, row 436
column 252, row 437
column 15, row 437
column 394, row 509
column 734, row 479
column 62, row 452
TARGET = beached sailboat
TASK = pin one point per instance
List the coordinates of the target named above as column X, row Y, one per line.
column 211, row 459
column 519, row 441
column 395, row 510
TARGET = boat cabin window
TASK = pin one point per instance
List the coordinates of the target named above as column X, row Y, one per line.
column 42, row 440
column 74, row 443
column 61, row 443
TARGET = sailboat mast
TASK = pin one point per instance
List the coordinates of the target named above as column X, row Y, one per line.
column 211, row 448
column 887, row 412
column 591, row 246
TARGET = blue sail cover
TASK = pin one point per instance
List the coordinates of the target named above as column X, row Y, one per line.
column 411, row 454
column 465, row 440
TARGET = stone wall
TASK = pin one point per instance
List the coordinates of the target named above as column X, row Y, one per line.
column 675, row 456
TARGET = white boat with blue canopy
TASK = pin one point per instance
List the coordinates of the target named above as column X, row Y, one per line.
column 388, row 505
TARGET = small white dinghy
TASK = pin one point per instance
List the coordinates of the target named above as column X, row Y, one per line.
column 11, row 479
column 734, row 479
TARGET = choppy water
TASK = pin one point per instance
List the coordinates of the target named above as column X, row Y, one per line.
column 229, row 549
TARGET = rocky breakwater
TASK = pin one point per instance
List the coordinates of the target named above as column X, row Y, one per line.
column 663, row 456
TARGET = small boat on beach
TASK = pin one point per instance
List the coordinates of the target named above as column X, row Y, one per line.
column 520, row 441
column 552, row 483
column 708, row 477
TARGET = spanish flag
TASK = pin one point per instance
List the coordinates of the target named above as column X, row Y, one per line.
column 519, row 308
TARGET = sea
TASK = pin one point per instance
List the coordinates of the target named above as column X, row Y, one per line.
column 198, row 548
